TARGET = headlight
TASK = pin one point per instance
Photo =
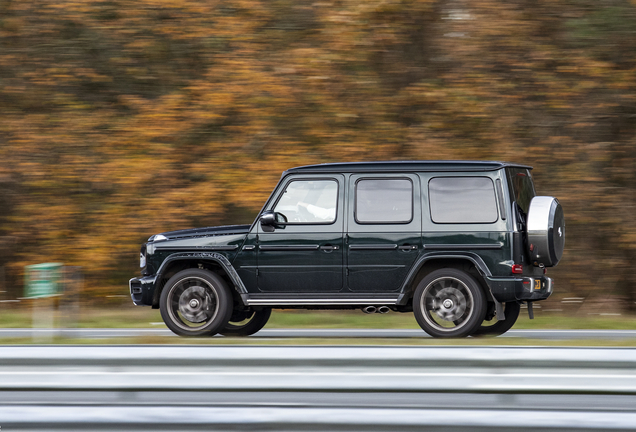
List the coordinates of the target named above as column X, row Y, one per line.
column 142, row 257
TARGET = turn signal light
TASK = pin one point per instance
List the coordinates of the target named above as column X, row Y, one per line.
column 517, row 269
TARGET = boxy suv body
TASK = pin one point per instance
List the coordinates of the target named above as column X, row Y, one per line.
column 461, row 244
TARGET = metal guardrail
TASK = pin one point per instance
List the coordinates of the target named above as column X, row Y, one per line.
column 315, row 419
column 316, row 388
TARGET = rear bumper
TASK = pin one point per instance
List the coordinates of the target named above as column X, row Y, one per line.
column 520, row 288
column 142, row 290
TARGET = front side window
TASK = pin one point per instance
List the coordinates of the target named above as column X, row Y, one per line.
column 462, row 200
column 384, row 201
column 309, row 201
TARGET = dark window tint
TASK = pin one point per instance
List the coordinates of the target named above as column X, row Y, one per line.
column 384, row 201
column 522, row 187
column 462, row 200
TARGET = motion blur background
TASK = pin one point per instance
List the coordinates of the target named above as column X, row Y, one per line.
column 121, row 119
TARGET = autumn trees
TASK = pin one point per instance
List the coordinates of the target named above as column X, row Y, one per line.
column 119, row 119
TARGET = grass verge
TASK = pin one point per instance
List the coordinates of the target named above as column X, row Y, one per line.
column 130, row 316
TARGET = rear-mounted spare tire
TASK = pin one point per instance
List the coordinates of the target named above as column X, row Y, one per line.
column 546, row 231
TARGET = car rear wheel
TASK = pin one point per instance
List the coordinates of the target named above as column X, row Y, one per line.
column 245, row 323
column 495, row 327
column 195, row 302
column 449, row 303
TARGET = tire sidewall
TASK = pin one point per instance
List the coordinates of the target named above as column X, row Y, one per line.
column 258, row 321
column 479, row 303
column 512, row 310
column 219, row 289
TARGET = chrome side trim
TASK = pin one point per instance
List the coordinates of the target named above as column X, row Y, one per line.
column 464, row 246
column 373, row 246
column 289, row 247
column 322, row 301
column 200, row 248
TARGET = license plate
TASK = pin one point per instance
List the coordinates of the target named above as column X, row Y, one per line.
column 537, row 284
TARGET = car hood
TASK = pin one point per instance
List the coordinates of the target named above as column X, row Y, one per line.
column 204, row 232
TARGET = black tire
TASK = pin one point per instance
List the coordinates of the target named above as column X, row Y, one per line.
column 496, row 328
column 246, row 323
column 195, row 302
column 449, row 303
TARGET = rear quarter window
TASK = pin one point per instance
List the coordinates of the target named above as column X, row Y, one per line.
column 462, row 200
column 522, row 187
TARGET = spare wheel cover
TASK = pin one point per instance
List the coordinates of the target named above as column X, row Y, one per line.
column 546, row 231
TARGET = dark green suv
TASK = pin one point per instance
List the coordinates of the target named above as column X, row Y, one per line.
column 461, row 244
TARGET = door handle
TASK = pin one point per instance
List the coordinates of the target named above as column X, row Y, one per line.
column 407, row 248
column 329, row 248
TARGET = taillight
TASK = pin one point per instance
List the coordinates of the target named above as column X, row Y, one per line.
column 517, row 269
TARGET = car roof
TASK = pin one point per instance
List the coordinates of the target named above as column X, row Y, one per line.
column 401, row 166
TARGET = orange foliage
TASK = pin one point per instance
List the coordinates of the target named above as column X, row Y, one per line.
column 121, row 118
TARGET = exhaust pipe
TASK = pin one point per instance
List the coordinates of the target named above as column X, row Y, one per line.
column 373, row 309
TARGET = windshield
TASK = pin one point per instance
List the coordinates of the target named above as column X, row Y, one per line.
column 521, row 187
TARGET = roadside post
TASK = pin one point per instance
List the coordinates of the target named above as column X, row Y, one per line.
column 72, row 282
column 41, row 284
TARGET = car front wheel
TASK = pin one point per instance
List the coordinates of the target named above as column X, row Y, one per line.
column 195, row 302
column 449, row 303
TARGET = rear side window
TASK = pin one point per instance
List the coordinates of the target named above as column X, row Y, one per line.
column 462, row 200
column 522, row 187
column 384, row 201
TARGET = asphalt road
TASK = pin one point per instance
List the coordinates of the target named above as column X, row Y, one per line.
column 319, row 333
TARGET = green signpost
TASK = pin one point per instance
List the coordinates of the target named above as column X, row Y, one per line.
column 42, row 280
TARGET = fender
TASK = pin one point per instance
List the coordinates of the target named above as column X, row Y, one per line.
column 218, row 258
column 474, row 258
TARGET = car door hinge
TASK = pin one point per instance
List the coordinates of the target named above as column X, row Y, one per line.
column 347, row 272
column 256, row 272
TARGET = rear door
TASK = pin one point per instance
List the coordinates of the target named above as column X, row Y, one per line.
column 384, row 230
column 466, row 215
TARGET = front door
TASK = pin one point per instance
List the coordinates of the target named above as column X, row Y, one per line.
column 305, row 253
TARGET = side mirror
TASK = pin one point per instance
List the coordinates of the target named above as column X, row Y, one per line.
column 268, row 218
column 271, row 220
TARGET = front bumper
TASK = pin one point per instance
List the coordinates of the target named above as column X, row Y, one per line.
column 520, row 288
column 142, row 290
